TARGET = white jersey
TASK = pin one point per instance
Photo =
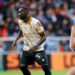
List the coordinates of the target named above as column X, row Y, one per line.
column 31, row 33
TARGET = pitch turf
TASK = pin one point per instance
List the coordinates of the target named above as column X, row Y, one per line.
column 32, row 72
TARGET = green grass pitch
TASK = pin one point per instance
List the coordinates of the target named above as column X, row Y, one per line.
column 36, row 72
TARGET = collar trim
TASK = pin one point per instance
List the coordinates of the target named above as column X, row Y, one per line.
column 29, row 21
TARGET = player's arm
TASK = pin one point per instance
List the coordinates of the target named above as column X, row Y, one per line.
column 72, row 37
column 18, row 37
column 42, row 39
column 41, row 32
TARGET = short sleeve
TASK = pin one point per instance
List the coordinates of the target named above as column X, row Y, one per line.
column 19, row 22
column 39, row 27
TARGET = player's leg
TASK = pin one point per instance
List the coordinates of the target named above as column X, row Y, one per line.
column 42, row 60
column 24, row 69
column 46, row 69
column 23, row 63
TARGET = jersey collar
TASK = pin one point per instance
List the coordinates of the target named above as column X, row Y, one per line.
column 29, row 21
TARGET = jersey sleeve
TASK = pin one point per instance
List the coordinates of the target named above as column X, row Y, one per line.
column 19, row 22
column 39, row 27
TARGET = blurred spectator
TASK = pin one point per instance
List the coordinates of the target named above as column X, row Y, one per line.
column 3, row 32
column 55, row 12
column 72, row 3
column 50, row 15
column 72, row 15
column 41, row 3
column 56, row 17
column 3, row 29
column 64, row 9
column 11, row 10
column 33, row 12
column 64, row 45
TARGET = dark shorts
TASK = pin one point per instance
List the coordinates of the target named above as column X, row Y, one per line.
column 29, row 59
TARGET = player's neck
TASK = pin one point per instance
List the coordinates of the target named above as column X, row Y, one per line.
column 26, row 19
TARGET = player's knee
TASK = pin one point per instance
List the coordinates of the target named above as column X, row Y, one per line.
column 45, row 67
column 23, row 67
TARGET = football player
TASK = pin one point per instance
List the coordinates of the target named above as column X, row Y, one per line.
column 34, row 36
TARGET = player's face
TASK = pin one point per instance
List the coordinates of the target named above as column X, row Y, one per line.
column 24, row 14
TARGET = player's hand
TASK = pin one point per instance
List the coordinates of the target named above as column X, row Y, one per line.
column 71, row 45
column 14, row 45
column 31, row 50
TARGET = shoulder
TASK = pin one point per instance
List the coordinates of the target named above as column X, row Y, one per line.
column 34, row 20
column 20, row 21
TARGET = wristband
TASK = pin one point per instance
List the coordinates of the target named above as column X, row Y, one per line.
column 36, row 46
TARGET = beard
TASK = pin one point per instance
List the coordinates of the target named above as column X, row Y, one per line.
column 24, row 17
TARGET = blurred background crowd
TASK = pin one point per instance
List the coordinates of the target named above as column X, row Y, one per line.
column 56, row 16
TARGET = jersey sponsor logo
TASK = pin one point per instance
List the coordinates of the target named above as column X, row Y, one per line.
column 28, row 35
